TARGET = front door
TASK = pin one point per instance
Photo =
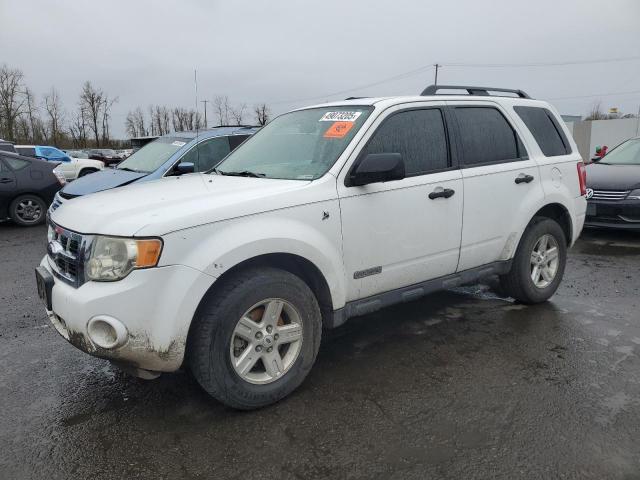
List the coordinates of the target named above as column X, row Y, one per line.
column 394, row 233
column 7, row 189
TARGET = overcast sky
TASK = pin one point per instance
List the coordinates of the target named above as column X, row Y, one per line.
column 292, row 53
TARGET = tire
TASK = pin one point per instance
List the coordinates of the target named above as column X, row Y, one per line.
column 214, row 339
column 28, row 210
column 519, row 282
column 86, row 171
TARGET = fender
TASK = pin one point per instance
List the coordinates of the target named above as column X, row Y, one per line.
column 216, row 248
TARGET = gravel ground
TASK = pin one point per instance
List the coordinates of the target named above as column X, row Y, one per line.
column 461, row 384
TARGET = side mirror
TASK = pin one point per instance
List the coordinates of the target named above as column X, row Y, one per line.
column 185, row 167
column 378, row 167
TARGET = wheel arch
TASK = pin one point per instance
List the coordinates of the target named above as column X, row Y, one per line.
column 559, row 213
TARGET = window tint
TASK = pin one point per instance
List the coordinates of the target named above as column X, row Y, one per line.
column 486, row 136
column 208, row 153
column 2, row 167
column 28, row 151
column 419, row 135
column 545, row 129
column 235, row 140
column 16, row 163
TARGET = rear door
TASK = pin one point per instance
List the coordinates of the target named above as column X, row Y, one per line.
column 7, row 188
column 501, row 182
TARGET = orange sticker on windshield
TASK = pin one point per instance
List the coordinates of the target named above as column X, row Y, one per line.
column 338, row 129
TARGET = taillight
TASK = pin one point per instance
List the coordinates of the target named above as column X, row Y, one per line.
column 582, row 178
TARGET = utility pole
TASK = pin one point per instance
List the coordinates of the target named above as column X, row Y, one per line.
column 437, row 65
column 205, row 112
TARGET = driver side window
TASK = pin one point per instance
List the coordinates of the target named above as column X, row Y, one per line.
column 207, row 153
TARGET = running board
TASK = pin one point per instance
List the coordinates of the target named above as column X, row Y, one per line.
column 371, row 304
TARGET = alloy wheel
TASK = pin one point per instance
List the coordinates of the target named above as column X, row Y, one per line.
column 544, row 261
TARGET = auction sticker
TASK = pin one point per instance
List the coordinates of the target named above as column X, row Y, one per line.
column 340, row 116
column 178, row 143
column 338, row 130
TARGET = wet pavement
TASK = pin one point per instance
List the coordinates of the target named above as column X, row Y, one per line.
column 461, row 384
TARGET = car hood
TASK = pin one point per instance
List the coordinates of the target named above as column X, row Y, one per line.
column 613, row 177
column 99, row 181
column 174, row 203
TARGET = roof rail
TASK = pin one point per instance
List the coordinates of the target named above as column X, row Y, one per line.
column 354, row 98
column 481, row 91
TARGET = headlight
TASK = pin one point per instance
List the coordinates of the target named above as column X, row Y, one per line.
column 112, row 258
column 634, row 195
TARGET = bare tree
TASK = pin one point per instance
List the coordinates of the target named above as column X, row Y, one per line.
column 237, row 113
column 91, row 103
column 107, row 103
column 78, row 129
column 596, row 112
column 262, row 114
column 55, row 116
column 36, row 125
column 222, row 109
column 11, row 100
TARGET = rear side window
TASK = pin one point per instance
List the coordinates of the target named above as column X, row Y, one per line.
column 235, row 140
column 16, row 163
column 419, row 135
column 545, row 129
column 28, row 151
column 486, row 136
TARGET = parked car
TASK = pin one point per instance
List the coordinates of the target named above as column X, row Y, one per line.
column 7, row 146
column 27, row 187
column 172, row 154
column 613, row 192
column 71, row 167
column 326, row 213
column 106, row 155
column 77, row 154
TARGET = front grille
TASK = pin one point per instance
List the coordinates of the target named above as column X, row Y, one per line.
column 612, row 195
column 66, row 254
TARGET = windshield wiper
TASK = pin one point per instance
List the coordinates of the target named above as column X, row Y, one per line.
column 244, row 173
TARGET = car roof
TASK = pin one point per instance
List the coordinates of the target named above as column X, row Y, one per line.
column 215, row 132
column 385, row 102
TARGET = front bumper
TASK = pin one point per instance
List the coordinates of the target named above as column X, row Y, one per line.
column 154, row 306
column 622, row 214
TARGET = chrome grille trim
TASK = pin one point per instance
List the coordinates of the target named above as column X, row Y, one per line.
column 610, row 194
column 65, row 252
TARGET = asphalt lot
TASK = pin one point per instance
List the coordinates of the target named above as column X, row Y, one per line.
column 461, row 384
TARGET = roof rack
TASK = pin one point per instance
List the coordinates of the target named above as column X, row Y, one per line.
column 481, row 91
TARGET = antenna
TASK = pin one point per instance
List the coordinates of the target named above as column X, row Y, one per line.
column 195, row 83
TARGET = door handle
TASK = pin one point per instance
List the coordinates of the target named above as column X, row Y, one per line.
column 442, row 193
column 523, row 178
column 6, row 180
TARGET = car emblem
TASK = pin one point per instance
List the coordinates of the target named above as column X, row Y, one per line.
column 589, row 193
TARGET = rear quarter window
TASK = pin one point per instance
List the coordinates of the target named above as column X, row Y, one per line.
column 17, row 163
column 545, row 129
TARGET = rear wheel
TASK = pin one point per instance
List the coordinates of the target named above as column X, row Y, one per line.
column 28, row 210
column 86, row 171
column 255, row 338
column 539, row 262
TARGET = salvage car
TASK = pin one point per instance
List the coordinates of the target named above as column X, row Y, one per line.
column 613, row 188
column 169, row 155
column 27, row 187
column 328, row 212
column 71, row 167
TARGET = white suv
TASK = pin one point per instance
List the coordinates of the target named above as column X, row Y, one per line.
column 328, row 212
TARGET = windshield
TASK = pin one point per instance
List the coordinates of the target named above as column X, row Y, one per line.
column 627, row 153
column 300, row 145
column 150, row 157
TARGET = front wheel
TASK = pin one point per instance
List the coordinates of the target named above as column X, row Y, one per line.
column 255, row 338
column 539, row 262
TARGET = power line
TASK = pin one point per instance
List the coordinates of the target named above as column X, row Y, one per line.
column 597, row 95
column 541, row 64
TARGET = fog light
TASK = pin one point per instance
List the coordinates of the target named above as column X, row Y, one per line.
column 106, row 332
